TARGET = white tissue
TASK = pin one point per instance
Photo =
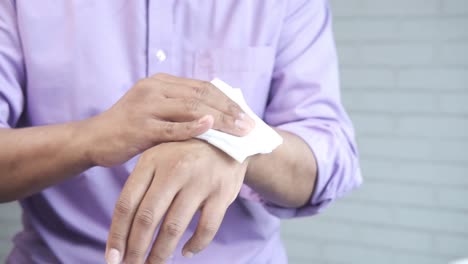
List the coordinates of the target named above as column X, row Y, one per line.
column 261, row 140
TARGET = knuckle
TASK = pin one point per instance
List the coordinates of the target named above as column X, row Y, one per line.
column 117, row 236
column 191, row 105
column 198, row 244
column 134, row 253
column 144, row 217
column 160, row 75
column 232, row 108
column 156, row 258
column 208, row 230
column 169, row 129
column 123, row 205
column 188, row 127
column 173, row 229
column 202, row 90
column 225, row 120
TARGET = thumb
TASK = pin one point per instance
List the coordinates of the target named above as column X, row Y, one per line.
column 180, row 131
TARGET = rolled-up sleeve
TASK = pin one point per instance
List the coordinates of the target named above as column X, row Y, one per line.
column 11, row 67
column 305, row 100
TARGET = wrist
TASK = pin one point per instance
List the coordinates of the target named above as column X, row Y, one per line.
column 87, row 136
column 250, row 171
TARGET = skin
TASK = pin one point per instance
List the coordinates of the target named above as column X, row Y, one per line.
column 178, row 179
column 175, row 176
column 34, row 158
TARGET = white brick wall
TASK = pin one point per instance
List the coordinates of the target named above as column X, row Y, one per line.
column 404, row 67
column 9, row 225
column 405, row 83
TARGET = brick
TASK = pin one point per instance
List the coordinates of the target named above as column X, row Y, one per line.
column 11, row 212
column 413, row 218
column 436, row 220
column 345, row 8
column 447, row 127
column 8, row 230
column 390, row 102
column 405, row 258
column 361, row 213
column 366, row 124
column 456, row 104
column 454, row 54
column 455, row 246
column 408, row 30
column 434, row 79
column 397, row 54
column 453, row 198
column 298, row 260
column 303, row 249
column 445, row 79
column 367, row 78
column 455, row 7
column 434, row 29
column 10, row 224
column 416, row 173
column 353, row 254
column 395, row 193
column 347, row 252
column 391, row 238
column 414, row 149
column 348, row 54
column 4, row 252
column 362, row 30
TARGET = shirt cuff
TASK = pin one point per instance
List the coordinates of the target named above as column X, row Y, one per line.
column 338, row 170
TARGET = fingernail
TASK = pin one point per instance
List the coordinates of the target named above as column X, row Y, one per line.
column 243, row 125
column 204, row 120
column 248, row 119
column 113, row 257
column 188, row 254
column 242, row 116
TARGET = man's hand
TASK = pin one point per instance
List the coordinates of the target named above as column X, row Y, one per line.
column 172, row 180
column 159, row 109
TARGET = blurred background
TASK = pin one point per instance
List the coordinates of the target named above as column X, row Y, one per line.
column 404, row 71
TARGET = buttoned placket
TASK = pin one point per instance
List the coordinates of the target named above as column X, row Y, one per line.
column 160, row 19
column 160, row 26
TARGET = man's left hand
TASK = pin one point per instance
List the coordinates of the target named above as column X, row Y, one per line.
column 172, row 180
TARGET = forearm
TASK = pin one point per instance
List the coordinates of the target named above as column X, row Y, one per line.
column 287, row 175
column 32, row 159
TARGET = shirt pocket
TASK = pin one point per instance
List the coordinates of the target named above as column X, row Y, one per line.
column 247, row 68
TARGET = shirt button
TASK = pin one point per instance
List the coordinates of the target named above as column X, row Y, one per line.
column 161, row 55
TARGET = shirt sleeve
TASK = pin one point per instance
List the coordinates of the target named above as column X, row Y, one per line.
column 11, row 67
column 305, row 100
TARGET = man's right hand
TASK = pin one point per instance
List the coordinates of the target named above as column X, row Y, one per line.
column 158, row 109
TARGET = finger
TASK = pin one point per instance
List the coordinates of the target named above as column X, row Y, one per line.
column 210, row 220
column 175, row 223
column 201, row 90
column 150, row 212
column 125, row 209
column 179, row 131
column 187, row 109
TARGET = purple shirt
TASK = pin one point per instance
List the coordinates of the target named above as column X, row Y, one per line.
column 69, row 60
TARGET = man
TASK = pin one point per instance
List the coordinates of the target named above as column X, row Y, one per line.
column 86, row 86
